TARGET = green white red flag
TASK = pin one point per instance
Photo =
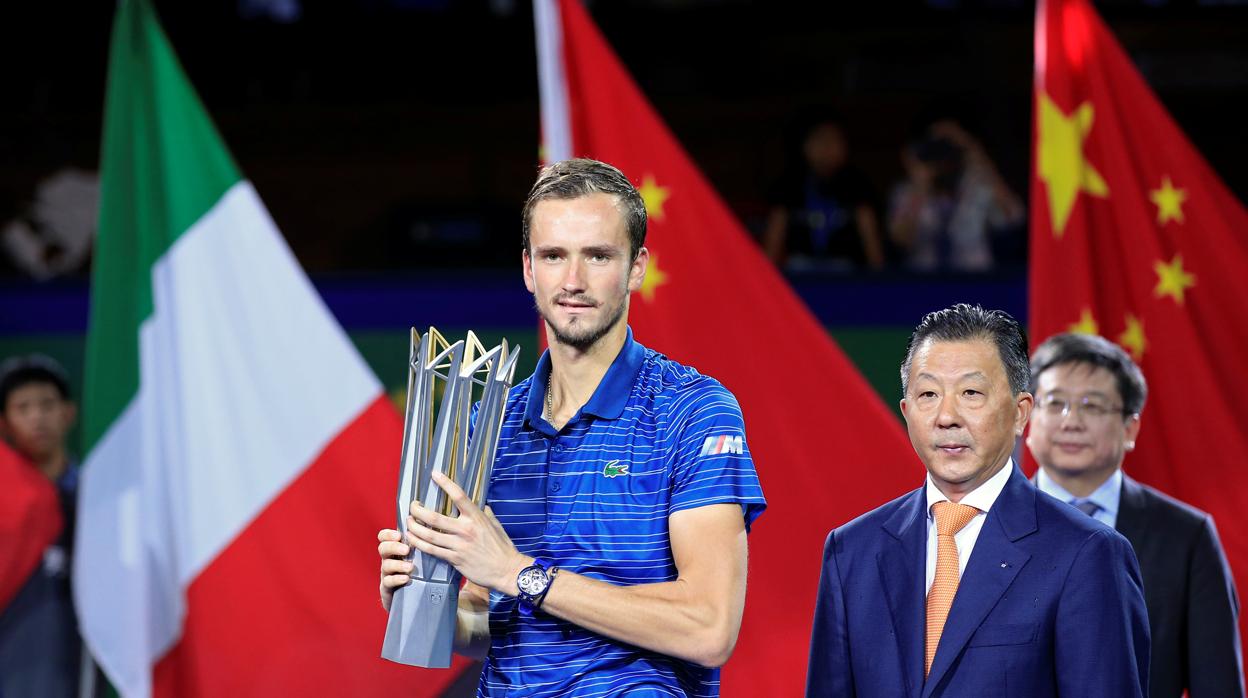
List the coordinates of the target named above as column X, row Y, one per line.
column 241, row 455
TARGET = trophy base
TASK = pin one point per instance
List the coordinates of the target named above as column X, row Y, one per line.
column 421, row 629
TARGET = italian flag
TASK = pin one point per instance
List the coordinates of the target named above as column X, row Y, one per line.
column 241, row 455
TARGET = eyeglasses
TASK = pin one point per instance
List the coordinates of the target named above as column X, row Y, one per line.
column 1086, row 408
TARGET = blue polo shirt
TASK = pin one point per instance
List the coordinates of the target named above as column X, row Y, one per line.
column 594, row 498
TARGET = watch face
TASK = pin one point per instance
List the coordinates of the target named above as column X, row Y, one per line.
column 532, row 580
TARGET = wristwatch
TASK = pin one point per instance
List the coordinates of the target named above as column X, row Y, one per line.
column 534, row 581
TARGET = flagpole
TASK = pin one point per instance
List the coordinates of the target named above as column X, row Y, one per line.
column 552, row 83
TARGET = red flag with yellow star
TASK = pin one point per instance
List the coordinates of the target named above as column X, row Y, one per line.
column 825, row 446
column 1134, row 237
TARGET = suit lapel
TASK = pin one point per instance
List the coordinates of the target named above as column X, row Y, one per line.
column 992, row 567
column 901, row 569
column 1132, row 512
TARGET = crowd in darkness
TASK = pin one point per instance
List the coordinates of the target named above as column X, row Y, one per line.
column 953, row 211
column 383, row 157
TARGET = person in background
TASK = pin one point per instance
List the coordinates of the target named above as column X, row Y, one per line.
column 823, row 213
column 1089, row 396
column 952, row 202
column 40, row 649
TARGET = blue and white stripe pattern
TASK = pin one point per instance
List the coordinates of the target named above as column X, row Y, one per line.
column 595, row 499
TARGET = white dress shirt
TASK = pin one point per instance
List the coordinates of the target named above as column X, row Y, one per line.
column 981, row 498
column 1108, row 496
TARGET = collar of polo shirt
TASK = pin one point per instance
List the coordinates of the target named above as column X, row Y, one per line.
column 611, row 395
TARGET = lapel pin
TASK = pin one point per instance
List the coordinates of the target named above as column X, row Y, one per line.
column 1004, row 565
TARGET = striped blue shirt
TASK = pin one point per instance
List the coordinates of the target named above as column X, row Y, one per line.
column 594, row 498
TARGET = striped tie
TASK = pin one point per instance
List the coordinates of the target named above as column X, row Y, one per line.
column 950, row 518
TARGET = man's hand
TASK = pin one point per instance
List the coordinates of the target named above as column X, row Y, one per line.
column 473, row 542
column 472, row 624
column 394, row 569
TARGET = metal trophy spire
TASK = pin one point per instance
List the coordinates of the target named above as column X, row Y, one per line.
column 454, row 442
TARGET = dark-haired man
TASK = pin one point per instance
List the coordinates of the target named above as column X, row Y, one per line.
column 39, row 644
column 622, row 489
column 1089, row 397
column 975, row 584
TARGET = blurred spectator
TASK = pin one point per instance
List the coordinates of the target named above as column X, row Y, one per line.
column 279, row 11
column 39, row 643
column 823, row 214
column 944, row 215
column 55, row 235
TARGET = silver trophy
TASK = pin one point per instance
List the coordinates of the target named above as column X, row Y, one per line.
column 421, row 628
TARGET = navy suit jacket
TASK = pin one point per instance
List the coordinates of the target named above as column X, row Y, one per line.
column 1050, row 604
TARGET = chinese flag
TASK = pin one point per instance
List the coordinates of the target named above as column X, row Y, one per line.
column 826, row 447
column 30, row 521
column 1134, row 238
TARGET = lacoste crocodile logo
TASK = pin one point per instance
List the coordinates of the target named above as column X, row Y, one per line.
column 614, row 469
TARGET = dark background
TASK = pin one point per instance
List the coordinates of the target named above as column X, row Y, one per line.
column 399, row 134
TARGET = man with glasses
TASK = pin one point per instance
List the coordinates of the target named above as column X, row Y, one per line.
column 1089, row 396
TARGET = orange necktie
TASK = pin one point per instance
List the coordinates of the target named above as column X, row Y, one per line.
column 950, row 518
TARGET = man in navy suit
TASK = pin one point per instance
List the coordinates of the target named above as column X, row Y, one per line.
column 975, row 584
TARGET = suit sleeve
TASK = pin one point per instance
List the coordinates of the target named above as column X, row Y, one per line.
column 1101, row 635
column 830, row 674
column 1213, row 649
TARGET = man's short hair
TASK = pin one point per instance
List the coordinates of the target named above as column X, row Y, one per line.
column 964, row 322
column 572, row 179
column 1098, row 352
column 21, row 371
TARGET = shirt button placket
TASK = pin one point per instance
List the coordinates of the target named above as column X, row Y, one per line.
column 553, row 513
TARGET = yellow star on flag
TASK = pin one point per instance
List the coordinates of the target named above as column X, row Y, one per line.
column 1063, row 167
column 1086, row 324
column 1169, row 201
column 653, row 196
column 655, row 277
column 1132, row 339
column 1172, row 279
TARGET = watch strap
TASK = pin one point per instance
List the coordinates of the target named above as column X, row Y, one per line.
column 550, row 581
